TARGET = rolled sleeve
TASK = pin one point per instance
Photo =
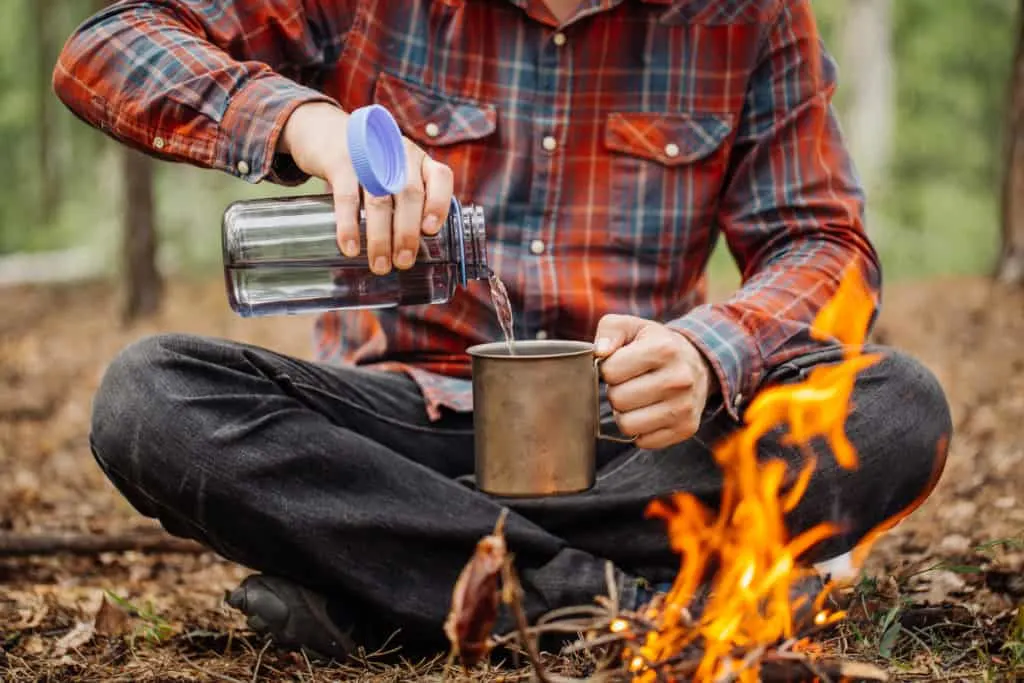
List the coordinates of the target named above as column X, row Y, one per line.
column 202, row 83
column 252, row 126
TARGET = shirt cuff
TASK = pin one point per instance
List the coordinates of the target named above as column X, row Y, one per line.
column 252, row 125
column 730, row 350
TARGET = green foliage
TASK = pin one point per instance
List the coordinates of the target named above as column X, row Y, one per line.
column 939, row 205
column 154, row 628
column 954, row 63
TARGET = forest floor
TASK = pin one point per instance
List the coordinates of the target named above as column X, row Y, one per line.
column 939, row 599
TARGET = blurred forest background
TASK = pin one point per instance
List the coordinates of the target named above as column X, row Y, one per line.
column 923, row 98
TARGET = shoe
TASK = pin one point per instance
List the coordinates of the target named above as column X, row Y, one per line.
column 293, row 617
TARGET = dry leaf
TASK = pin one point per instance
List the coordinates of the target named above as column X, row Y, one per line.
column 475, row 599
column 33, row 645
column 81, row 634
column 30, row 618
column 111, row 620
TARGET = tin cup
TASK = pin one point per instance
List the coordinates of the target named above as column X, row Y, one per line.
column 536, row 417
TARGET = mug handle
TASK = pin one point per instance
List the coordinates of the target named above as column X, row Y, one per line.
column 597, row 431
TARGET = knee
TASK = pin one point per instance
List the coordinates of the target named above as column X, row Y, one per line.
column 916, row 394
column 910, row 411
column 129, row 404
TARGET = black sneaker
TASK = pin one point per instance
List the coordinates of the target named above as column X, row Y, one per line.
column 294, row 617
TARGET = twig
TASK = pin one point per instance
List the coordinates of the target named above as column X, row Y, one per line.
column 309, row 665
column 511, row 590
column 819, row 675
column 259, row 661
column 576, row 610
column 780, row 669
column 613, row 588
column 597, row 641
column 223, row 677
column 749, row 660
column 25, row 545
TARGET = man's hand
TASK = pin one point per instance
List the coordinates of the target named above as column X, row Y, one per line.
column 658, row 382
column 315, row 136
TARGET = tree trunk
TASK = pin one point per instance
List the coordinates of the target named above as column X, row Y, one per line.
column 1011, row 261
column 142, row 282
column 49, row 194
column 870, row 104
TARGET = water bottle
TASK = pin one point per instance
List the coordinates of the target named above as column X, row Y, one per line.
column 281, row 255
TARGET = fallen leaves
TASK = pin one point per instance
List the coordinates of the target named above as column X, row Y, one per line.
column 79, row 635
column 112, row 620
column 109, row 621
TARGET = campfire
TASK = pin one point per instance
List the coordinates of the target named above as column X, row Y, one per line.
column 747, row 627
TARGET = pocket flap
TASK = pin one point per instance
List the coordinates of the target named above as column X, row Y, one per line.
column 671, row 139
column 433, row 119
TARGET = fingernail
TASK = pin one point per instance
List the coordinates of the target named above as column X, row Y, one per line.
column 405, row 258
column 603, row 345
column 351, row 248
column 380, row 265
column 430, row 223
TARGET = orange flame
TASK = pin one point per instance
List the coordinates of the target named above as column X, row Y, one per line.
column 755, row 562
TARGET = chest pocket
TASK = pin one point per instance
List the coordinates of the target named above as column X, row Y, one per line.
column 443, row 123
column 666, row 174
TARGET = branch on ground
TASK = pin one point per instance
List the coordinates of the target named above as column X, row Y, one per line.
column 25, row 545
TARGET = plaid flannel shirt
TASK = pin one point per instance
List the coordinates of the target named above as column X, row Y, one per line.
column 609, row 153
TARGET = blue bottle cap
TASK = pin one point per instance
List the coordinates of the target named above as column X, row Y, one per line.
column 376, row 148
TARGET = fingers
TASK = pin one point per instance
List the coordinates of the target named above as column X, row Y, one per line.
column 379, row 213
column 647, row 389
column 409, row 211
column 677, row 417
column 646, row 352
column 394, row 225
column 614, row 331
column 439, row 183
column 629, row 362
column 663, row 438
column 345, row 189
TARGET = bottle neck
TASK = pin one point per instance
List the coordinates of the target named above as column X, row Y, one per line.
column 470, row 241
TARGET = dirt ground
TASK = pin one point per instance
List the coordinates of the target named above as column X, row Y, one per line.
column 938, row 601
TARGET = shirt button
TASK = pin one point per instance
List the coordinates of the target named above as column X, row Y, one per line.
column 549, row 143
column 559, row 39
column 158, row 143
column 537, row 247
column 432, row 130
column 542, row 335
column 243, row 168
column 672, row 150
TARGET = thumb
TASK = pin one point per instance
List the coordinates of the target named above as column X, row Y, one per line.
column 615, row 331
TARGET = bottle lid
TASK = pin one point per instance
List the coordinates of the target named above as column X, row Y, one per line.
column 377, row 151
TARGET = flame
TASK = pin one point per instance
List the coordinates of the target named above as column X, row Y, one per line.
column 755, row 561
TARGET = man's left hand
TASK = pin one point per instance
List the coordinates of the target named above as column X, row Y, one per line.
column 658, row 382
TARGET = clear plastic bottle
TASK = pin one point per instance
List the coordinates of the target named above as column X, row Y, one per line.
column 281, row 257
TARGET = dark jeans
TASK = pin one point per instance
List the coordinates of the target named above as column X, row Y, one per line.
column 335, row 478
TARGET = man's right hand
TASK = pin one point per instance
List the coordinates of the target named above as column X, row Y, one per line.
column 315, row 136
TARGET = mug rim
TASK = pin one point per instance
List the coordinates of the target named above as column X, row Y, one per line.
column 562, row 348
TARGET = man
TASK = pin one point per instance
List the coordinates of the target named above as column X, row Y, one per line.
column 609, row 142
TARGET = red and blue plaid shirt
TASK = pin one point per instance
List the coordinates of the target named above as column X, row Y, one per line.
column 608, row 152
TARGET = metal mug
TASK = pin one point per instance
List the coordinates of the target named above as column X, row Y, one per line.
column 536, row 417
